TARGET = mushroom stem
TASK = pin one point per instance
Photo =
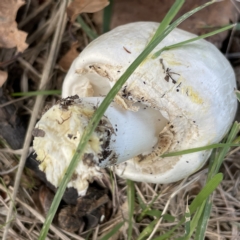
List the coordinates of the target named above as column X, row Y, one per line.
column 120, row 135
column 132, row 133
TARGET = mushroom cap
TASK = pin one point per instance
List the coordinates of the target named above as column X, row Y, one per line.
column 192, row 86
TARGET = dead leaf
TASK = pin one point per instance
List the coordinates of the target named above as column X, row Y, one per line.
column 43, row 198
column 66, row 60
column 87, row 212
column 3, row 77
column 90, row 6
column 10, row 36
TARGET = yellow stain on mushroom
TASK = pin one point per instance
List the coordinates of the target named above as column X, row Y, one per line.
column 169, row 58
column 192, row 94
column 148, row 58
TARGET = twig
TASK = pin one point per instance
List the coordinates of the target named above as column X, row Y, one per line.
column 29, row 67
column 8, row 171
column 235, row 5
column 34, row 14
column 230, row 40
column 38, row 105
column 13, row 101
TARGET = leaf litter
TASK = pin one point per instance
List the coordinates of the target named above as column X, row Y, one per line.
column 89, row 6
column 10, row 36
column 35, row 194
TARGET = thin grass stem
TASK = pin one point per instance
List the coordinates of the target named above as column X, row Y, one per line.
column 180, row 44
column 36, row 93
column 107, row 15
column 90, row 33
column 198, row 149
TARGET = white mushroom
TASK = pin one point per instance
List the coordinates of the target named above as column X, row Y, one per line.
column 180, row 100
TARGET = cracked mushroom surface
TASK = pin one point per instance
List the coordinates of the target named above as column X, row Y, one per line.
column 56, row 138
column 182, row 99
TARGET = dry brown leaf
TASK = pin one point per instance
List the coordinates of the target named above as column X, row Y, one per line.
column 3, row 77
column 10, row 36
column 216, row 15
column 67, row 59
column 90, row 6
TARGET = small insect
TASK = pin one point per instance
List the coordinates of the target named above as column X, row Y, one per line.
column 168, row 75
column 66, row 102
column 127, row 50
column 168, row 72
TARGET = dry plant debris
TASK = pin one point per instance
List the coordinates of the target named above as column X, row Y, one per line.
column 79, row 6
column 3, row 77
column 10, row 36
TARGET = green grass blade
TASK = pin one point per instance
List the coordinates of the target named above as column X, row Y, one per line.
column 188, row 14
column 113, row 231
column 179, row 20
column 194, row 223
column 195, row 219
column 198, row 149
column 99, row 113
column 142, row 205
column 187, row 221
column 196, row 203
column 147, row 230
column 238, row 27
column 180, row 44
column 90, row 33
column 169, row 17
column 107, row 14
column 154, row 213
column 205, row 192
column 36, row 93
column 168, row 218
column 221, row 155
column 214, row 165
column 212, row 159
column 170, row 232
column 237, row 92
column 236, row 140
column 202, row 206
column 131, row 206
column 202, row 226
column 146, row 209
